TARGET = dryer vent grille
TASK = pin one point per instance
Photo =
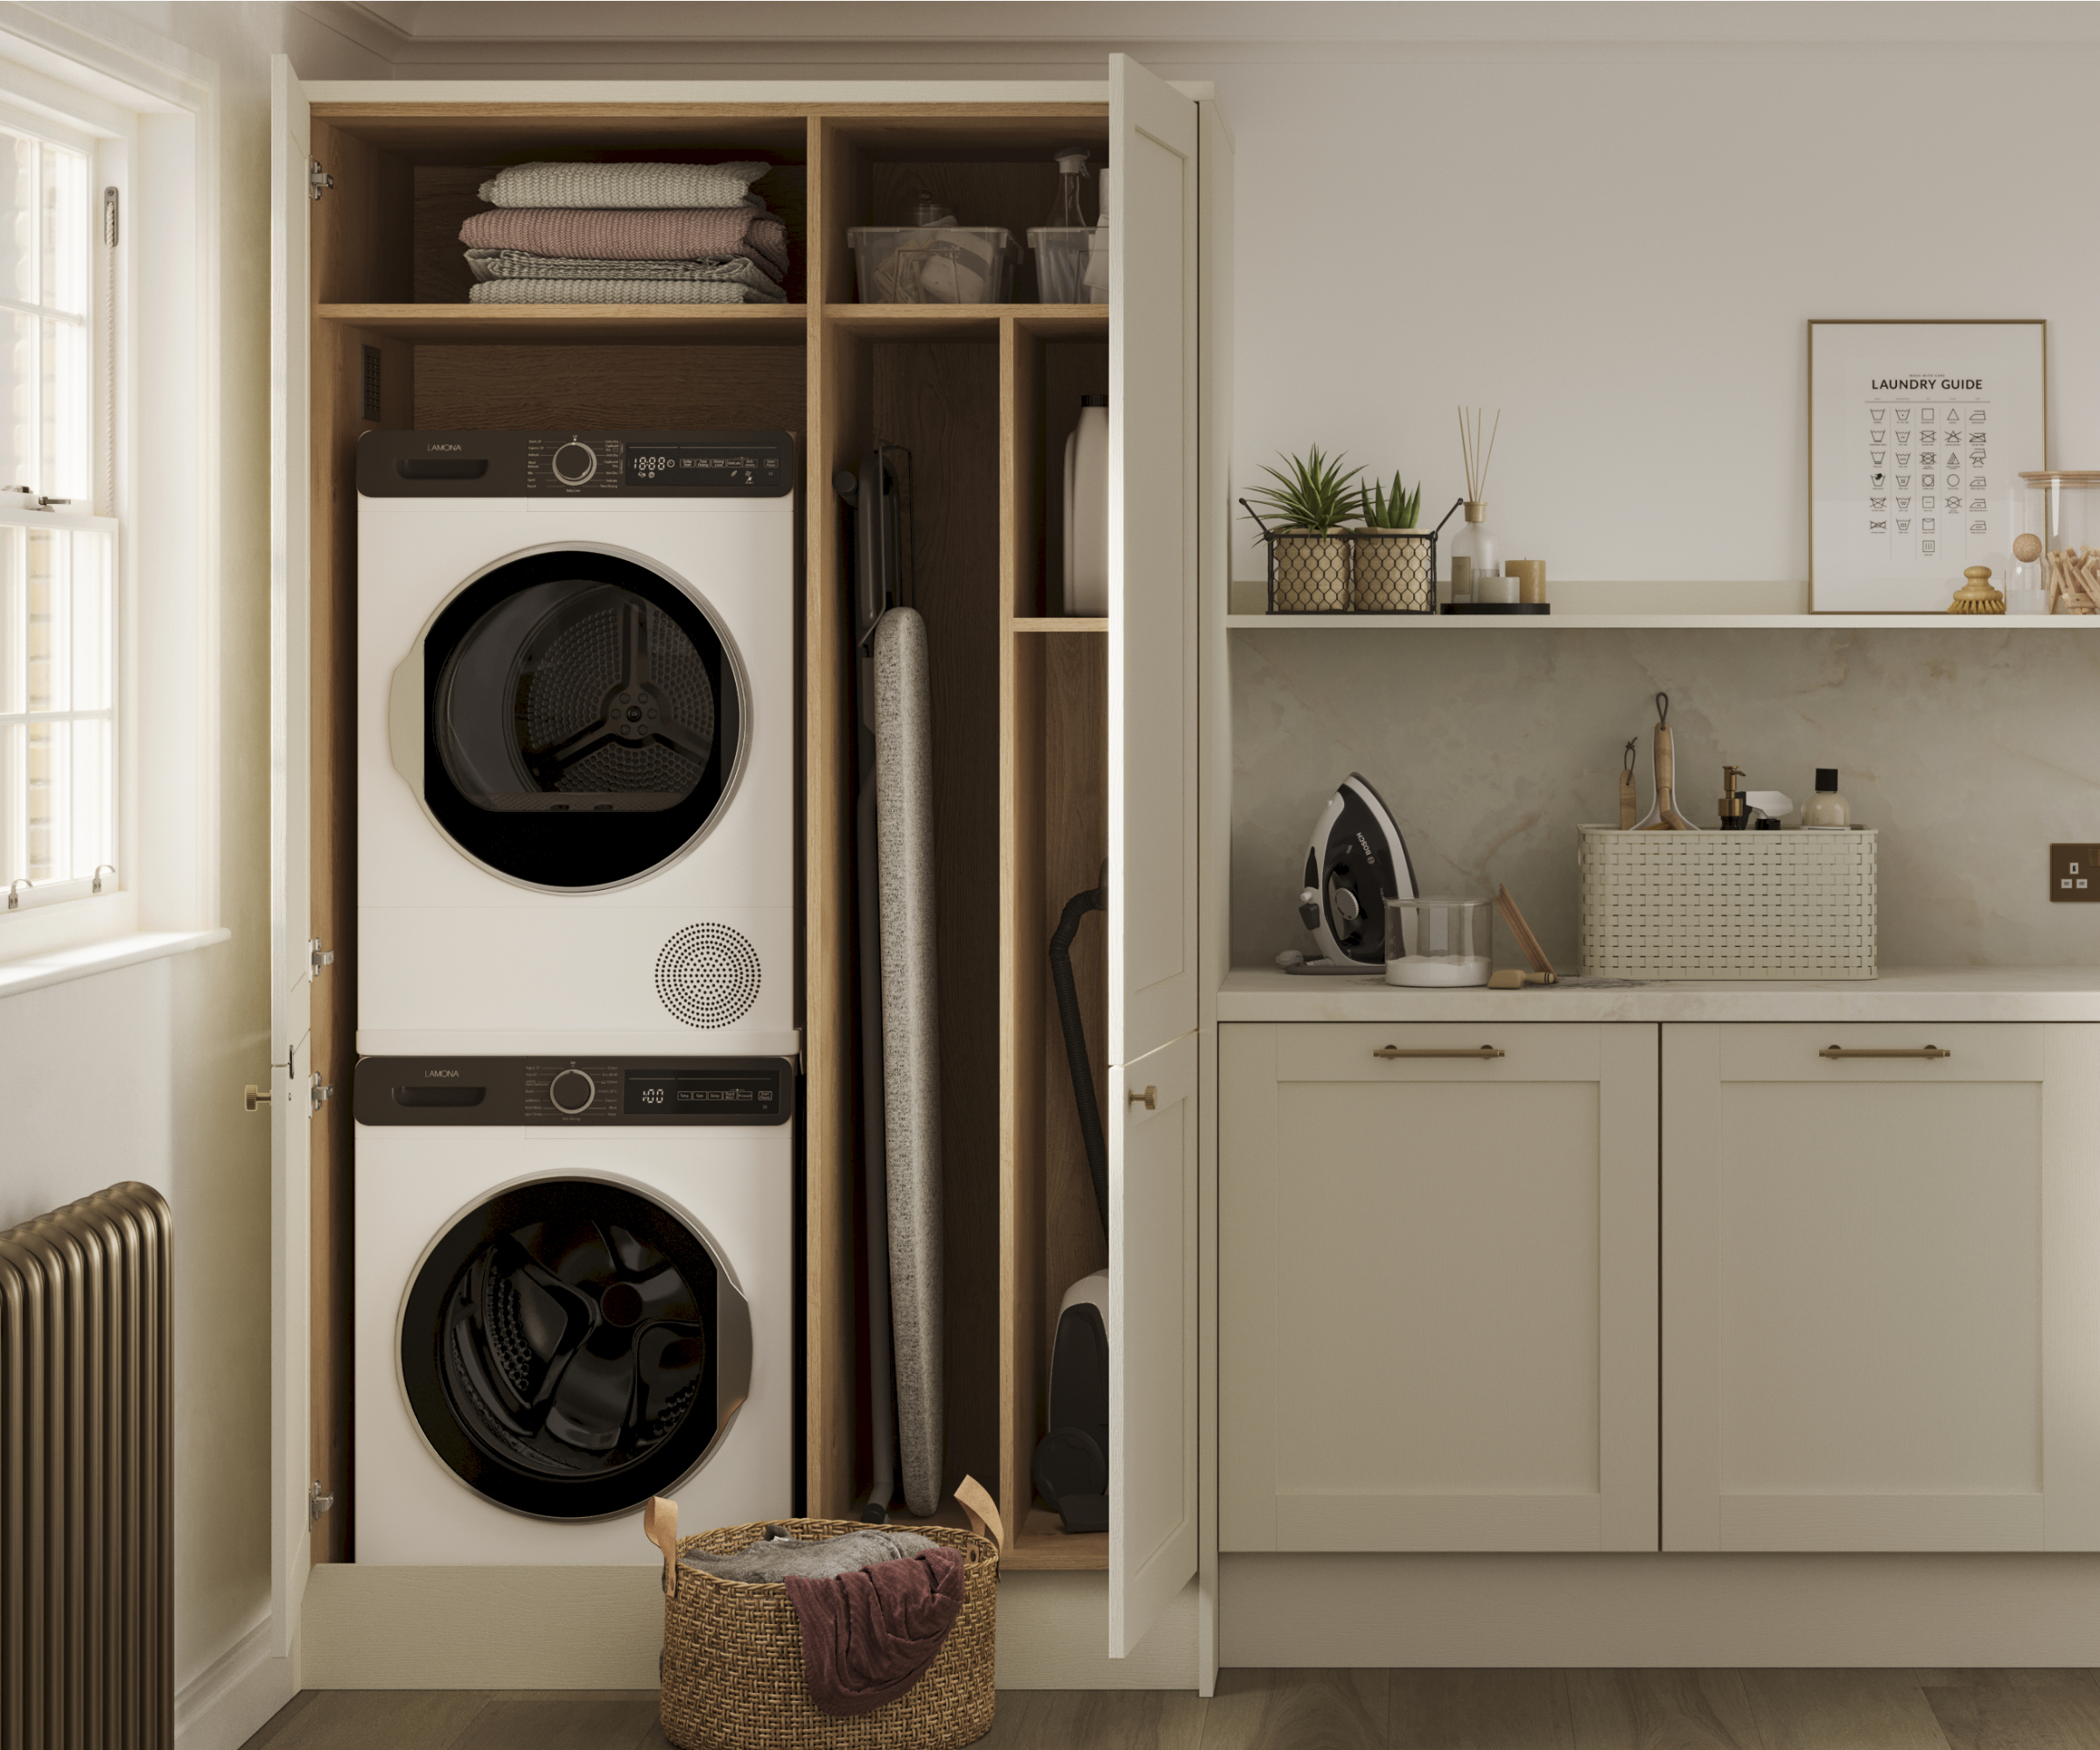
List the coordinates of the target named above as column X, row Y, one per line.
column 708, row 975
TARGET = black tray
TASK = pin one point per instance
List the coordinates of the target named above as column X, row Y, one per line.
column 1496, row 607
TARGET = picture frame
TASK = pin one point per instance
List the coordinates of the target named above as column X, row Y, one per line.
column 1876, row 546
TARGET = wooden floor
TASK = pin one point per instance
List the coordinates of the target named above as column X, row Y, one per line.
column 1579, row 1710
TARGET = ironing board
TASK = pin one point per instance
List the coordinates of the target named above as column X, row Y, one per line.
column 911, row 1043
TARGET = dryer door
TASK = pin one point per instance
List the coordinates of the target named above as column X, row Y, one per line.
column 572, row 1347
column 582, row 720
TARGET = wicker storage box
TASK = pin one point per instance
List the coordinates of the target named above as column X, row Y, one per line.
column 1728, row 905
column 732, row 1652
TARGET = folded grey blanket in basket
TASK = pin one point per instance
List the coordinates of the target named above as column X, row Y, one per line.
column 692, row 236
column 518, row 264
column 622, row 185
column 774, row 1559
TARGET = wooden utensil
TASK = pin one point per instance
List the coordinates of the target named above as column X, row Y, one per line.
column 1662, row 816
column 1542, row 969
column 1629, row 806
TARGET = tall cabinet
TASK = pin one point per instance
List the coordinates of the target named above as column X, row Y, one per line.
column 1060, row 743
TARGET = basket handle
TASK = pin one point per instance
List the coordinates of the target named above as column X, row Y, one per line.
column 659, row 1525
column 982, row 1511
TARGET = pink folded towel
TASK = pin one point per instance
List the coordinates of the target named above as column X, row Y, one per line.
column 665, row 235
column 867, row 1637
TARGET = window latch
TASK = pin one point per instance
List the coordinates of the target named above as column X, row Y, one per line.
column 99, row 867
column 318, row 182
column 14, row 892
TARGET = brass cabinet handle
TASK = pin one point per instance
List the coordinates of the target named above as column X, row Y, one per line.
column 252, row 1096
column 1481, row 1050
column 1149, row 1099
column 1914, row 1050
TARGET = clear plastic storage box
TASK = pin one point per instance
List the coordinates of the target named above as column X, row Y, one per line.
column 1071, row 264
column 934, row 263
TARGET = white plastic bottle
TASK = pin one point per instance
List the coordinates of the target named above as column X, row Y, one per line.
column 1086, row 511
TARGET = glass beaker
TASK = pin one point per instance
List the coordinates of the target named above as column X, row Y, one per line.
column 1438, row 942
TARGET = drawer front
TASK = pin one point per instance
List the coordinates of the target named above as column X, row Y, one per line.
column 1461, row 1051
column 1988, row 1051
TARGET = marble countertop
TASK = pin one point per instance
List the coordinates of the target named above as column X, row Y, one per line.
column 1913, row 993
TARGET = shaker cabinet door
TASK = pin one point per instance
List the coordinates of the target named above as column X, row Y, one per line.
column 1881, row 1305
column 1437, row 1295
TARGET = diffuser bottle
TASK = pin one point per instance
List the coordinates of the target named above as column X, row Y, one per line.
column 1826, row 811
column 1474, row 554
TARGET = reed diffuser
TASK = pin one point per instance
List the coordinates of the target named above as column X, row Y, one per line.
column 1474, row 557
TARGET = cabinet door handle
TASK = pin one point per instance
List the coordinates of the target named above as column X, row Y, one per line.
column 1473, row 1051
column 1149, row 1099
column 1912, row 1051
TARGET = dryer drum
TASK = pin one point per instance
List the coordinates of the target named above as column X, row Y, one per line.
column 571, row 1348
column 582, row 719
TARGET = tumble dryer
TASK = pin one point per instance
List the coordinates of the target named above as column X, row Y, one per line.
column 574, row 1288
column 576, row 711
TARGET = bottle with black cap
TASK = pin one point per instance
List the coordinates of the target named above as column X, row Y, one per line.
column 1826, row 811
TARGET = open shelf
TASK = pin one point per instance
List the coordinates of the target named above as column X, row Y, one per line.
column 1061, row 623
column 1043, row 1542
column 927, row 321
column 558, row 324
column 1655, row 622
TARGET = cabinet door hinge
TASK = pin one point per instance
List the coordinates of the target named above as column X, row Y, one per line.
column 318, row 182
column 318, row 956
column 318, row 1093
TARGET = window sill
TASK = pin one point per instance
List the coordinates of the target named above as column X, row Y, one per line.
column 55, row 968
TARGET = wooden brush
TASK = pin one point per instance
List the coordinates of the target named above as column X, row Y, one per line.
column 1542, row 969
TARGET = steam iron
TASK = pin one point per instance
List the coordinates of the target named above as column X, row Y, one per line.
column 1357, row 861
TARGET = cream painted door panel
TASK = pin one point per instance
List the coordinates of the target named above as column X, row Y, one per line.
column 1436, row 1287
column 1881, row 1308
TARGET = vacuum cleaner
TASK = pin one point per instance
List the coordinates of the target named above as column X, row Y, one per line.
column 1071, row 1464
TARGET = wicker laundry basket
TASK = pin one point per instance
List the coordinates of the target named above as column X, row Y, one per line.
column 732, row 1652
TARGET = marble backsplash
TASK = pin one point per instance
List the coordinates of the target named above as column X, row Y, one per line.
column 1970, row 751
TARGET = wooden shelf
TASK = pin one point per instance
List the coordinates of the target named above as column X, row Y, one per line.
column 512, row 324
column 968, row 321
column 1043, row 1542
column 1061, row 623
column 1656, row 622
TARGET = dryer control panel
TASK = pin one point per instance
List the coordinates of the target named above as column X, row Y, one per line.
column 575, row 464
column 574, row 1091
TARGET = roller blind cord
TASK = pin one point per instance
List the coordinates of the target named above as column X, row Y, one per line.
column 106, row 497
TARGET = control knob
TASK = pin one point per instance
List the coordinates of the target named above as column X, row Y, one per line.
column 572, row 1092
column 575, row 463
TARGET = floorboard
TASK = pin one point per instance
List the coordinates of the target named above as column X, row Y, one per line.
column 1337, row 1709
column 1484, row 1710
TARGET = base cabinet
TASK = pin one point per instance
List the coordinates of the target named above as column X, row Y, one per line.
column 1881, row 1287
column 1438, row 1291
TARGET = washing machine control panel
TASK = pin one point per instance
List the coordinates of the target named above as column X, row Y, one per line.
column 574, row 1091
column 575, row 464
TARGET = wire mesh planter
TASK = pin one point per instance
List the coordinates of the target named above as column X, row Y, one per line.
column 1308, row 573
column 1393, row 570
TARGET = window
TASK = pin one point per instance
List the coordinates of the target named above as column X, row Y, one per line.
column 58, row 557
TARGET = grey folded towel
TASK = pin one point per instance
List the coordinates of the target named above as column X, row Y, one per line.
column 774, row 1559
column 489, row 264
column 619, row 292
column 622, row 185
column 695, row 234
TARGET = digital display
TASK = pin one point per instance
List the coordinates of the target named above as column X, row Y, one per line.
column 746, row 1095
column 736, row 465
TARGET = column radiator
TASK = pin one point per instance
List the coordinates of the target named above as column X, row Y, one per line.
column 86, row 1593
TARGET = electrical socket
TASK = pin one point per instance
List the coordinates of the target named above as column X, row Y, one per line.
column 2074, row 872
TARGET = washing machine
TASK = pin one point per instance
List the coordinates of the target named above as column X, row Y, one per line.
column 574, row 1289
column 576, row 716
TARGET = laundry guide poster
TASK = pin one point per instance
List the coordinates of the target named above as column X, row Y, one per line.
column 1918, row 434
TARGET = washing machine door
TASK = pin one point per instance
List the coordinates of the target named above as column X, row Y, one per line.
column 583, row 720
column 571, row 1346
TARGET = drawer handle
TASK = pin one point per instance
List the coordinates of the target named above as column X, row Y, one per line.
column 1476, row 1051
column 1149, row 1099
column 1914, row 1050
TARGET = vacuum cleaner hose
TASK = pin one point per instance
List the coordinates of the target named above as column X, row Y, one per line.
column 1095, row 899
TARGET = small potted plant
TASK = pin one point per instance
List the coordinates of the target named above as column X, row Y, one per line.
column 1394, row 567
column 1308, row 551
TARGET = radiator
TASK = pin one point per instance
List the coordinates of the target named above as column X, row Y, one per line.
column 86, row 1647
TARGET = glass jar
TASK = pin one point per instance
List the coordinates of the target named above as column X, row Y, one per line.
column 1438, row 942
column 1474, row 555
column 2061, row 509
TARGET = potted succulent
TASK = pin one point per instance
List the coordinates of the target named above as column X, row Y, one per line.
column 1393, row 566
column 1308, row 551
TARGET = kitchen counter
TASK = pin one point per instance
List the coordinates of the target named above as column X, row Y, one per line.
column 1923, row 993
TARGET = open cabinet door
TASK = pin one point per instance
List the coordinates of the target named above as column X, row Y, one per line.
column 291, row 899
column 1152, row 899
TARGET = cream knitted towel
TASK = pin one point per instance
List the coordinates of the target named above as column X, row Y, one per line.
column 691, row 235
column 615, row 291
column 622, row 185
column 509, row 264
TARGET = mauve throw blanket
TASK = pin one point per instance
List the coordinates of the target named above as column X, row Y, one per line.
column 867, row 1636
column 678, row 235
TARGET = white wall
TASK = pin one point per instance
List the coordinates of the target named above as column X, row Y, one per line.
column 137, row 1074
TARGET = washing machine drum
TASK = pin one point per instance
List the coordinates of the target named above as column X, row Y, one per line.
column 572, row 1347
column 582, row 720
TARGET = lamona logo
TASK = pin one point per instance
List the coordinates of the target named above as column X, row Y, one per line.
column 444, row 446
column 453, row 1072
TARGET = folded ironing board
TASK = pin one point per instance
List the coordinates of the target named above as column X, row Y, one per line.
column 911, row 1043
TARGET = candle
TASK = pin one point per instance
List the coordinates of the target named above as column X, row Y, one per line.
column 1496, row 589
column 1531, row 577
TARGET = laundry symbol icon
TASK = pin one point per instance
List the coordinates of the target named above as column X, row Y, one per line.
column 1903, row 458
column 1953, row 416
column 1902, row 503
column 1925, row 503
column 1928, row 546
column 1977, row 484
column 1877, row 455
column 1927, row 456
column 1976, row 418
column 1880, row 528
column 1925, row 525
column 1927, row 437
column 1879, row 482
column 1903, row 525
column 1924, row 479
column 1979, row 528
column 1903, row 482
column 1879, row 503
column 1979, row 504
column 1879, row 411
column 1902, row 416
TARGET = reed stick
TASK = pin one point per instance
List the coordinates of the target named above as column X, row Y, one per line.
column 1469, row 447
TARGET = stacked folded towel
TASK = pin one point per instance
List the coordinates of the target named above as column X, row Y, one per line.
column 626, row 233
